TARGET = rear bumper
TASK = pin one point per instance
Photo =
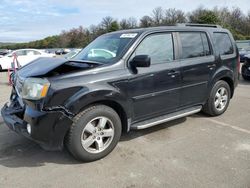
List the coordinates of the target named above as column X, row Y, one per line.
column 47, row 128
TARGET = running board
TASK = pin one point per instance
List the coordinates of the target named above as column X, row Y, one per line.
column 166, row 118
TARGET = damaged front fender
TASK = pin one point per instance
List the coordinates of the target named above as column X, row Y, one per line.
column 60, row 109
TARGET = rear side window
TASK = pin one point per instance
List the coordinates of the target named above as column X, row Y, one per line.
column 194, row 44
column 158, row 46
column 223, row 44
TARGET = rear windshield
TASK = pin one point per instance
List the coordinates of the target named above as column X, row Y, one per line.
column 223, row 43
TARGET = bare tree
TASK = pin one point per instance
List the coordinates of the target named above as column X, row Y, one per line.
column 173, row 16
column 107, row 22
column 146, row 21
column 157, row 16
column 128, row 23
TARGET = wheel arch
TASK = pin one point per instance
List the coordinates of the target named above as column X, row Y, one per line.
column 226, row 75
column 117, row 108
column 111, row 98
column 230, row 82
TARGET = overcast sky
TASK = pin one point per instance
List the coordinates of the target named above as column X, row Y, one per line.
column 26, row 20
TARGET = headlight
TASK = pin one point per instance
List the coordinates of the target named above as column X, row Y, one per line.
column 35, row 88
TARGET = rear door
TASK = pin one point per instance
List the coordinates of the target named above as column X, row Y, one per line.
column 197, row 66
column 155, row 90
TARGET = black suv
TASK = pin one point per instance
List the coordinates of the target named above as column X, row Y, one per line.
column 131, row 79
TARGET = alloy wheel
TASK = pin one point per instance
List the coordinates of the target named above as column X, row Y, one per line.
column 97, row 135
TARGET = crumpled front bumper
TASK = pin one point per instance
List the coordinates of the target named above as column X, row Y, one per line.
column 11, row 119
column 47, row 128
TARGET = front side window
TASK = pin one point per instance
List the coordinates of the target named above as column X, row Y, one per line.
column 159, row 47
column 194, row 44
column 223, row 43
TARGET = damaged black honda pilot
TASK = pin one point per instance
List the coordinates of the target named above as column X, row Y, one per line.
column 124, row 80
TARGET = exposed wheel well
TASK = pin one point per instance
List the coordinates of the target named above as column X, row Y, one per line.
column 118, row 108
column 230, row 83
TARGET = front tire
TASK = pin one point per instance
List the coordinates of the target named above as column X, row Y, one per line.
column 218, row 100
column 94, row 133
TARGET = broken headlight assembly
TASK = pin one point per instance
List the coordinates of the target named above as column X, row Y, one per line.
column 35, row 88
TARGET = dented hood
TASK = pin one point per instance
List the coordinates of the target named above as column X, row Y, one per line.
column 40, row 67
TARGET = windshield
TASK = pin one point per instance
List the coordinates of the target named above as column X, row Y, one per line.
column 107, row 48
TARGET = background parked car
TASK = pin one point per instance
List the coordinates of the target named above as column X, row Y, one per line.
column 245, row 70
column 24, row 56
column 244, row 49
column 3, row 52
column 62, row 51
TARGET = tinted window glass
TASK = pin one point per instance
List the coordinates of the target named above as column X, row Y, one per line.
column 206, row 47
column 159, row 47
column 192, row 44
column 223, row 43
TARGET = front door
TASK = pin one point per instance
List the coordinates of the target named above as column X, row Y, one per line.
column 155, row 90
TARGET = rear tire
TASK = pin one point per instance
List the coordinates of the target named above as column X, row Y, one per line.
column 94, row 133
column 218, row 100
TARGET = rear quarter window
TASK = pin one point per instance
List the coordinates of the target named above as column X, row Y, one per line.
column 223, row 43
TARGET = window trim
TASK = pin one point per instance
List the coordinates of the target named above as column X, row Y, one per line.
column 134, row 47
column 198, row 57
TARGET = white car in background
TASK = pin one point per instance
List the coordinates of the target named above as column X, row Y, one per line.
column 24, row 56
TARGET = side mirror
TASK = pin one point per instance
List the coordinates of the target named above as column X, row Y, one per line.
column 141, row 61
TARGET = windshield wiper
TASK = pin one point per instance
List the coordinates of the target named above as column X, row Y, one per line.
column 85, row 61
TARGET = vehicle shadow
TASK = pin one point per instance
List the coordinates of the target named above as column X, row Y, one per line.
column 32, row 155
column 21, row 152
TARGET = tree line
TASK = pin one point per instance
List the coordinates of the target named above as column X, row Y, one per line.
column 233, row 19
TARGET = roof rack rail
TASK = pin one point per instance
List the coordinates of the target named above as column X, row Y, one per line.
column 198, row 25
